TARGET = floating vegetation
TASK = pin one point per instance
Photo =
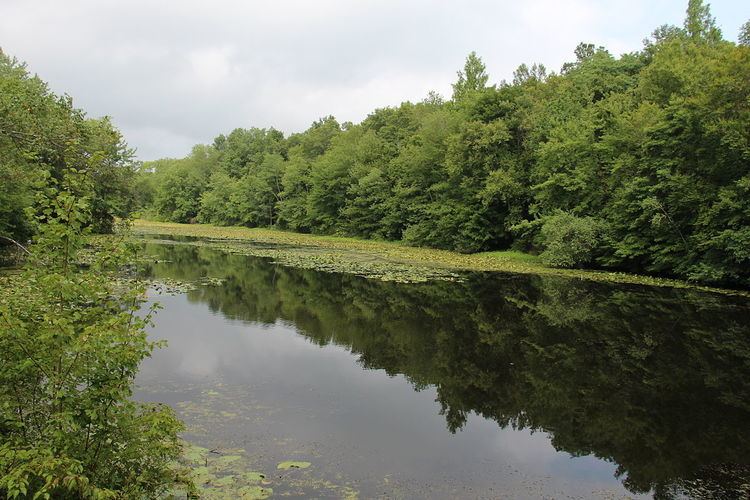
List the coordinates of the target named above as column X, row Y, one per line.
column 387, row 261
column 222, row 474
column 290, row 464
column 167, row 286
column 220, row 469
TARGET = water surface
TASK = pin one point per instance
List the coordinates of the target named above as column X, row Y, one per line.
column 497, row 386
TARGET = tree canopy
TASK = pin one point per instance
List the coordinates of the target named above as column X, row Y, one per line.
column 645, row 157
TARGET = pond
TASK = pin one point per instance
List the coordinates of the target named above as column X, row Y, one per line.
column 496, row 385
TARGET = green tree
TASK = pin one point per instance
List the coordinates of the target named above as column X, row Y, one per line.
column 295, row 182
column 71, row 342
column 218, row 203
column 113, row 172
column 259, row 192
column 41, row 135
column 653, row 144
column 699, row 23
column 473, row 77
column 570, row 241
column 744, row 36
column 330, row 179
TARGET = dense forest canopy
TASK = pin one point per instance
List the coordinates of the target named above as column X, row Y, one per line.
column 638, row 163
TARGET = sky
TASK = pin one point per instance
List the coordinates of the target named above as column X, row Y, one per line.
column 172, row 74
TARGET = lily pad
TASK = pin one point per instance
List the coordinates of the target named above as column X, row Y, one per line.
column 196, row 454
column 226, row 460
column 254, row 492
column 291, row 464
column 202, row 475
column 253, row 477
column 223, row 481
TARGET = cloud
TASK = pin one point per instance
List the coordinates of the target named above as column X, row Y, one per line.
column 176, row 73
column 210, row 66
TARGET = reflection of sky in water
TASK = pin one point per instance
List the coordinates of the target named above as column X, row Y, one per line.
column 378, row 422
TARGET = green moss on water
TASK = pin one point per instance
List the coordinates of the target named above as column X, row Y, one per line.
column 387, row 261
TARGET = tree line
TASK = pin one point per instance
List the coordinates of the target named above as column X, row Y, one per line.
column 639, row 163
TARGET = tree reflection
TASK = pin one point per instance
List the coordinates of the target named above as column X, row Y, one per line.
column 655, row 380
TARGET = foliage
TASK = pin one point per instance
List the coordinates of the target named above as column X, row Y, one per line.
column 41, row 135
column 569, row 241
column 384, row 260
column 471, row 79
column 744, row 36
column 654, row 144
column 71, row 340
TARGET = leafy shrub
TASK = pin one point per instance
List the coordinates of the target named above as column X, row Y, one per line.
column 569, row 241
column 71, row 342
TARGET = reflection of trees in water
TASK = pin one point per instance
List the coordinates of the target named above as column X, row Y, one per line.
column 655, row 380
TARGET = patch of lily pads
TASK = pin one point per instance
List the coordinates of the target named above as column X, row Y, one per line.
column 168, row 286
column 383, row 260
column 340, row 261
column 219, row 471
column 224, row 474
column 221, row 474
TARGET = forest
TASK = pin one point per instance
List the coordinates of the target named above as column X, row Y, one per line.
column 638, row 163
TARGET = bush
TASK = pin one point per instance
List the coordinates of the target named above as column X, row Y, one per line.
column 569, row 241
column 71, row 342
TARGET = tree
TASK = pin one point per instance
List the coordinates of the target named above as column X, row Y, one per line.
column 472, row 78
column 71, row 343
column 699, row 23
column 41, row 135
column 113, row 171
column 523, row 74
column 653, row 144
column 293, row 205
column 570, row 241
column 259, row 192
column 330, row 179
column 744, row 36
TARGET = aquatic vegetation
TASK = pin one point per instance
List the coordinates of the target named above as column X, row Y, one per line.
column 221, row 471
column 382, row 260
column 216, row 475
column 290, row 464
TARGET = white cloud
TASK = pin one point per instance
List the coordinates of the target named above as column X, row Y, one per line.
column 210, row 66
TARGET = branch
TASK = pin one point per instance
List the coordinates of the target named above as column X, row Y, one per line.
column 11, row 240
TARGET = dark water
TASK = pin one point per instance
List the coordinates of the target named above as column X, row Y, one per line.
column 498, row 386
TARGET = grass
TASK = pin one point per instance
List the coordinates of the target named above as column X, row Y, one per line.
column 390, row 261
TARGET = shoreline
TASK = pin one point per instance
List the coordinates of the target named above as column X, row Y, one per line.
column 357, row 256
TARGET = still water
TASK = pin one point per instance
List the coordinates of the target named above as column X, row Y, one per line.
column 498, row 386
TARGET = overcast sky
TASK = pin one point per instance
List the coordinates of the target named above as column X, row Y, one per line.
column 175, row 73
